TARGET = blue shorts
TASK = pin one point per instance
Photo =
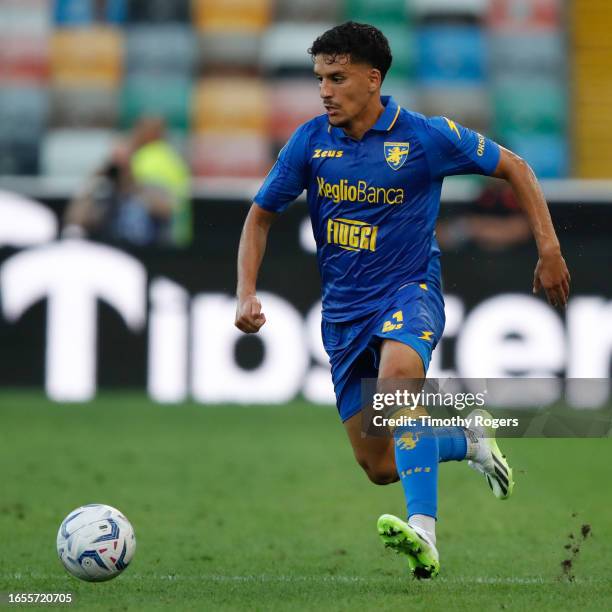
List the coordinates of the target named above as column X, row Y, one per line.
column 414, row 315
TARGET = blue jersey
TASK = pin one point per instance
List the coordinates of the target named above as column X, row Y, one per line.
column 374, row 202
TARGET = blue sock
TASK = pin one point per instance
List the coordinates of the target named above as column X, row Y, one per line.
column 452, row 443
column 416, row 459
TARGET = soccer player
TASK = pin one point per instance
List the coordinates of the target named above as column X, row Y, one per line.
column 373, row 173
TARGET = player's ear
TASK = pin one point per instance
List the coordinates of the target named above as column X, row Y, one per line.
column 374, row 80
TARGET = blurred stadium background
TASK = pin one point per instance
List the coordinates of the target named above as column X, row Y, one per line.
column 232, row 80
column 236, row 79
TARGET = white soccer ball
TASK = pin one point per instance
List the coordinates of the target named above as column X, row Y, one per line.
column 95, row 542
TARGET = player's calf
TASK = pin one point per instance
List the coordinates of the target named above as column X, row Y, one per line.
column 374, row 453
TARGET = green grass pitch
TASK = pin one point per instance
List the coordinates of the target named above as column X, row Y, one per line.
column 264, row 508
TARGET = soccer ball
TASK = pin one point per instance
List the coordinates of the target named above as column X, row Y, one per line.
column 95, row 542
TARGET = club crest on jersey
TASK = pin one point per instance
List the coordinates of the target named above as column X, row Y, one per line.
column 396, row 154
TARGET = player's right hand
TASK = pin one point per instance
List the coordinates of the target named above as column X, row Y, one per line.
column 249, row 317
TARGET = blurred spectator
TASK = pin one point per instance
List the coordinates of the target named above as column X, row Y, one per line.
column 494, row 222
column 139, row 196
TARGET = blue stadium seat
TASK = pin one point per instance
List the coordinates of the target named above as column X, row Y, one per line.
column 116, row 11
column 76, row 13
column 170, row 49
column 546, row 153
column 72, row 12
column 451, row 55
column 159, row 11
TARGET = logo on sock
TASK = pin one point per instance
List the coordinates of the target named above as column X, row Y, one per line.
column 408, row 441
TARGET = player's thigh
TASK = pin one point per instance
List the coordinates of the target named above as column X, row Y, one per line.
column 401, row 370
column 409, row 333
column 400, row 361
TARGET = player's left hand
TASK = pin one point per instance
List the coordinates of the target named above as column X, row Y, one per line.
column 552, row 275
column 249, row 317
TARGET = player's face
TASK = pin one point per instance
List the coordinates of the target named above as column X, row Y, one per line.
column 347, row 89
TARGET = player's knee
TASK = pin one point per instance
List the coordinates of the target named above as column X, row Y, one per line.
column 399, row 361
column 379, row 474
column 403, row 371
column 382, row 476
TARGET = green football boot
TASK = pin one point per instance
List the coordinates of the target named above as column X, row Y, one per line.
column 421, row 552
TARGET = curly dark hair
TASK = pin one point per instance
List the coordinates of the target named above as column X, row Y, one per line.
column 362, row 42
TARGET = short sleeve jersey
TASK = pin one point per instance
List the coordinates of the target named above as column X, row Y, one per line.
column 374, row 202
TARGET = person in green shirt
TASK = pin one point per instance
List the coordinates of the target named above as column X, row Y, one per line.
column 162, row 180
column 140, row 195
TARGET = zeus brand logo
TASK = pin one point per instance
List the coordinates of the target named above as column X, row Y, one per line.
column 327, row 153
column 352, row 235
column 361, row 192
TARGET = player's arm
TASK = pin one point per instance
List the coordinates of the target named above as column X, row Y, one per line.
column 284, row 183
column 551, row 272
column 458, row 150
column 251, row 249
